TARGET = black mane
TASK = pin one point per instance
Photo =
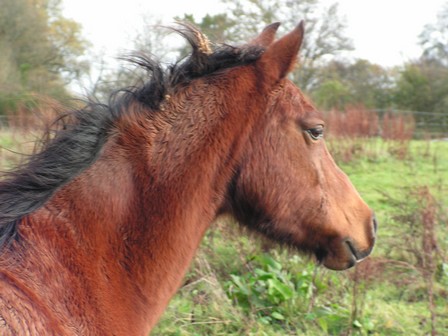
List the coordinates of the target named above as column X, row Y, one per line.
column 78, row 145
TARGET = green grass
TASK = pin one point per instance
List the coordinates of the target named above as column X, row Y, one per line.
column 426, row 163
column 238, row 285
column 391, row 296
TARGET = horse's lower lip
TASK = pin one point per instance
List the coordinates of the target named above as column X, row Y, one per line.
column 347, row 257
column 346, row 260
column 338, row 265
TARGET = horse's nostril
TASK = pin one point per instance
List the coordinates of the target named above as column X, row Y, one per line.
column 375, row 223
column 357, row 254
column 352, row 249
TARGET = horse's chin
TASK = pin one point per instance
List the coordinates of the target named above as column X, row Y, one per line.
column 342, row 256
column 338, row 264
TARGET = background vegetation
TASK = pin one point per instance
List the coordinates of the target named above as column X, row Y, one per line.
column 396, row 159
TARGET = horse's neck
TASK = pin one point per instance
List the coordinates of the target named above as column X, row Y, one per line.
column 133, row 226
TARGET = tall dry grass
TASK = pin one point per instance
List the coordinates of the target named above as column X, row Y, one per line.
column 35, row 114
column 23, row 130
column 350, row 133
column 357, row 121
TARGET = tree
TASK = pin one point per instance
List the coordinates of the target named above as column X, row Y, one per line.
column 413, row 91
column 149, row 41
column 360, row 83
column 217, row 27
column 434, row 38
column 244, row 19
column 423, row 86
column 332, row 93
column 40, row 48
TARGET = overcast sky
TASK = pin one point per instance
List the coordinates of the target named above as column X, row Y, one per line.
column 383, row 31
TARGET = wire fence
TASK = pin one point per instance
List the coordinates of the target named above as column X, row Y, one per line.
column 427, row 124
column 430, row 125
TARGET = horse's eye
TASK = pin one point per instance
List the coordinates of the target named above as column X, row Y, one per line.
column 316, row 133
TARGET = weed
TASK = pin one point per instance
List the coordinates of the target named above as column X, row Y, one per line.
column 235, row 288
column 418, row 218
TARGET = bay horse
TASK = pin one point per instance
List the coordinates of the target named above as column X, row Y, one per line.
column 99, row 227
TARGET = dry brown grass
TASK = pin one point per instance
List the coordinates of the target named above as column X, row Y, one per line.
column 349, row 132
column 357, row 121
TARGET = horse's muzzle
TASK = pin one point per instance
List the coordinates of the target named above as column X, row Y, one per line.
column 346, row 252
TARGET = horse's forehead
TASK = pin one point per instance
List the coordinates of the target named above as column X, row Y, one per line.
column 295, row 103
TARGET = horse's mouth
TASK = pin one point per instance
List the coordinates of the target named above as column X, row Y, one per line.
column 344, row 257
column 344, row 252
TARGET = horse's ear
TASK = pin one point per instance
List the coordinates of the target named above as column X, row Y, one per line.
column 267, row 36
column 280, row 57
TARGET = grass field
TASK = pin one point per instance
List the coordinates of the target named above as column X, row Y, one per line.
column 241, row 285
